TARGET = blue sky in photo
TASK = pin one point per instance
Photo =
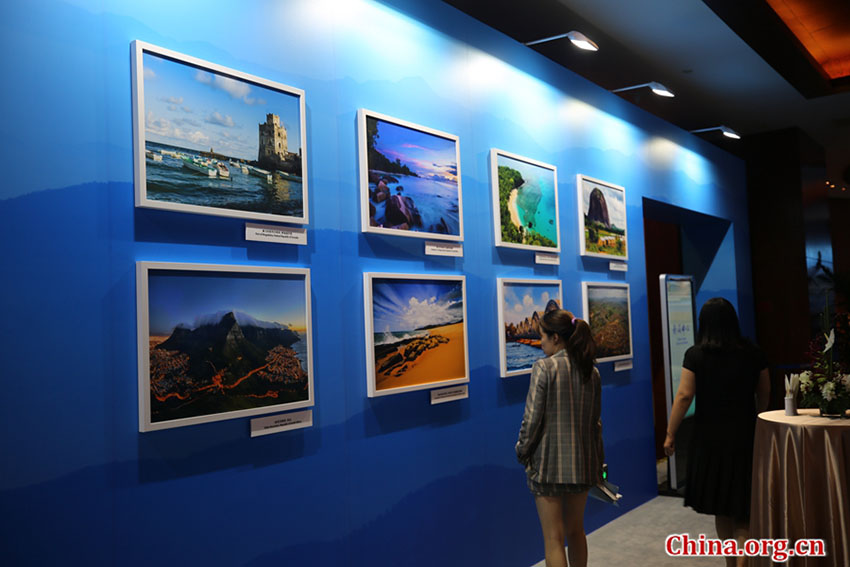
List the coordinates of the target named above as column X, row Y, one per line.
column 406, row 305
column 176, row 297
column 197, row 109
column 605, row 293
column 522, row 300
column 614, row 198
column 429, row 156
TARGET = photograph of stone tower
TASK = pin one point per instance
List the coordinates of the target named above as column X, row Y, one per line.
column 273, row 153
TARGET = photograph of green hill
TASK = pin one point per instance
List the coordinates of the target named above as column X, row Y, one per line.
column 603, row 219
column 608, row 313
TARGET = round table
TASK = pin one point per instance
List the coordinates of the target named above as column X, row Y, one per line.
column 801, row 487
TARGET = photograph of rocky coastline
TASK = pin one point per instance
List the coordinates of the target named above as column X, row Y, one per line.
column 411, row 179
column 608, row 312
column 418, row 336
column 221, row 345
column 602, row 219
column 215, row 142
column 526, row 193
column 522, row 303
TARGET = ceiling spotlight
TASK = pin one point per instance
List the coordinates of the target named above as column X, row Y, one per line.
column 728, row 132
column 577, row 38
column 657, row 88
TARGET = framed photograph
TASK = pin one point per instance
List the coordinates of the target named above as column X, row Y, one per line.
column 607, row 309
column 220, row 342
column 525, row 202
column 602, row 219
column 409, row 179
column 415, row 332
column 216, row 141
column 522, row 303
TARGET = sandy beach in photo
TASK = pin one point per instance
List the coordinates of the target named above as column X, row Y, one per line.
column 445, row 362
column 512, row 208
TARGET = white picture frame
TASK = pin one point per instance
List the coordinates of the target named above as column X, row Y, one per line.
column 610, row 346
column 413, row 307
column 616, row 196
column 182, row 104
column 188, row 305
column 544, row 174
column 510, row 363
column 443, row 159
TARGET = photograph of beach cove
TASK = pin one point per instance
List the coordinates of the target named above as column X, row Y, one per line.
column 213, row 141
column 410, row 181
column 522, row 303
column 526, row 197
column 416, row 332
column 221, row 344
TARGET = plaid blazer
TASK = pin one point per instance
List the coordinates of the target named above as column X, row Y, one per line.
column 560, row 439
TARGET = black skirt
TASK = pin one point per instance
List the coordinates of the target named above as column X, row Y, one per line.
column 719, row 479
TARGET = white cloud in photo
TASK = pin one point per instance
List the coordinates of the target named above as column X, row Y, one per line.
column 237, row 90
column 220, row 120
column 427, row 312
column 544, row 297
column 154, row 125
column 518, row 307
column 527, row 300
column 149, row 74
column 203, row 77
column 187, row 110
column 166, row 129
column 172, row 107
column 172, row 99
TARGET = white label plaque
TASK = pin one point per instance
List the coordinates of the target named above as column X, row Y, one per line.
column 546, row 258
column 623, row 365
column 279, row 234
column 433, row 248
column 618, row 266
column 281, row 422
column 449, row 394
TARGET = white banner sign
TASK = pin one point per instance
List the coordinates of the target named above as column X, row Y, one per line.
column 281, row 422
column 623, row 365
column 279, row 234
column 449, row 394
column 433, row 248
column 545, row 258
column 618, row 266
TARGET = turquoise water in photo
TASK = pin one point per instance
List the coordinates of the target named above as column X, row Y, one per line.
column 536, row 198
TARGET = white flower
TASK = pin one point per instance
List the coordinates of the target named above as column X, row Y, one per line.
column 830, row 340
column 845, row 381
column 806, row 374
column 805, row 381
column 828, row 391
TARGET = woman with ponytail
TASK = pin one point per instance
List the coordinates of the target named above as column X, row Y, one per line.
column 560, row 439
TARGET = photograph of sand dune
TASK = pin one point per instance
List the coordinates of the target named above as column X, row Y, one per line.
column 607, row 310
column 415, row 332
column 522, row 303
column 602, row 219
column 525, row 197
column 216, row 141
column 220, row 342
column 409, row 179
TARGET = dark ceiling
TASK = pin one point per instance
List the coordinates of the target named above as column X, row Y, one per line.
column 730, row 62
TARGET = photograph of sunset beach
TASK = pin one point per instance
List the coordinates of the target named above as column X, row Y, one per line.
column 419, row 331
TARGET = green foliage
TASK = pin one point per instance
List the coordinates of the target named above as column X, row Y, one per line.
column 510, row 179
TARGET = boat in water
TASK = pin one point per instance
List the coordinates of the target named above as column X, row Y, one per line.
column 150, row 155
column 288, row 176
column 222, row 170
column 199, row 166
column 262, row 173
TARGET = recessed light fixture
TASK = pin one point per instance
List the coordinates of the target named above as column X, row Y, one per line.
column 577, row 38
column 728, row 132
column 656, row 87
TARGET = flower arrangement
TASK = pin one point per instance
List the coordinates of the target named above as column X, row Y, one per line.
column 827, row 384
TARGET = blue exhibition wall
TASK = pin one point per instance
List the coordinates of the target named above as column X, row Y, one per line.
column 380, row 481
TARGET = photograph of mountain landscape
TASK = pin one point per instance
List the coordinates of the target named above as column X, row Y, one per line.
column 602, row 219
column 216, row 141
column 525, row 196
column 218, row 342
column 409, row 179
column 522, row 303
column 415, row 332
column 607, row 310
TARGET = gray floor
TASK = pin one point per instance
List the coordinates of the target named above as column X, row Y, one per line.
column 637, row 538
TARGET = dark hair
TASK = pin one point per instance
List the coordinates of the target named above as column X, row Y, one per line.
column 576, row 335
column 718, row 325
